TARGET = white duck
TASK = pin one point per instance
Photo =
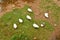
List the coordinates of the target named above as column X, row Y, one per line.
column 20, row 20
column 42, row 25
column 46, row 15
column 15, row 26
column 35, row 25
column 28, row 17
column 29, row 10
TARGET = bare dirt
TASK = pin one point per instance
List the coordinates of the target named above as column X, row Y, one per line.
column 6, row 6
column 57, row 2
column 39, row 14
column 56, row 34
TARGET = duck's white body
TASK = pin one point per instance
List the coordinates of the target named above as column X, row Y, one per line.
column 15, row 26
column 35, row 25
column 28, row 17
column 29, row 10
column 20, row 20
column 42, row 25
column 46, row 15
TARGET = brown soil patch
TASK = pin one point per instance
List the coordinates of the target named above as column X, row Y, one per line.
column 57, row 2
column 6, row 9
column 28, row 0
column 6, row 6
column 56, row 34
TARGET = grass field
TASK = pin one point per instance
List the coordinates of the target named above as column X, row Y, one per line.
column 26, row 31
column 47, row 5
column 7, row 30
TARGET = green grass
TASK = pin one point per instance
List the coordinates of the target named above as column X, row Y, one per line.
column 20, row 37
column 47, row 5
column 24, row 30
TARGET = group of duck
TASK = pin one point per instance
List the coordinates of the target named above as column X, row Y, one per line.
column 29, row 18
